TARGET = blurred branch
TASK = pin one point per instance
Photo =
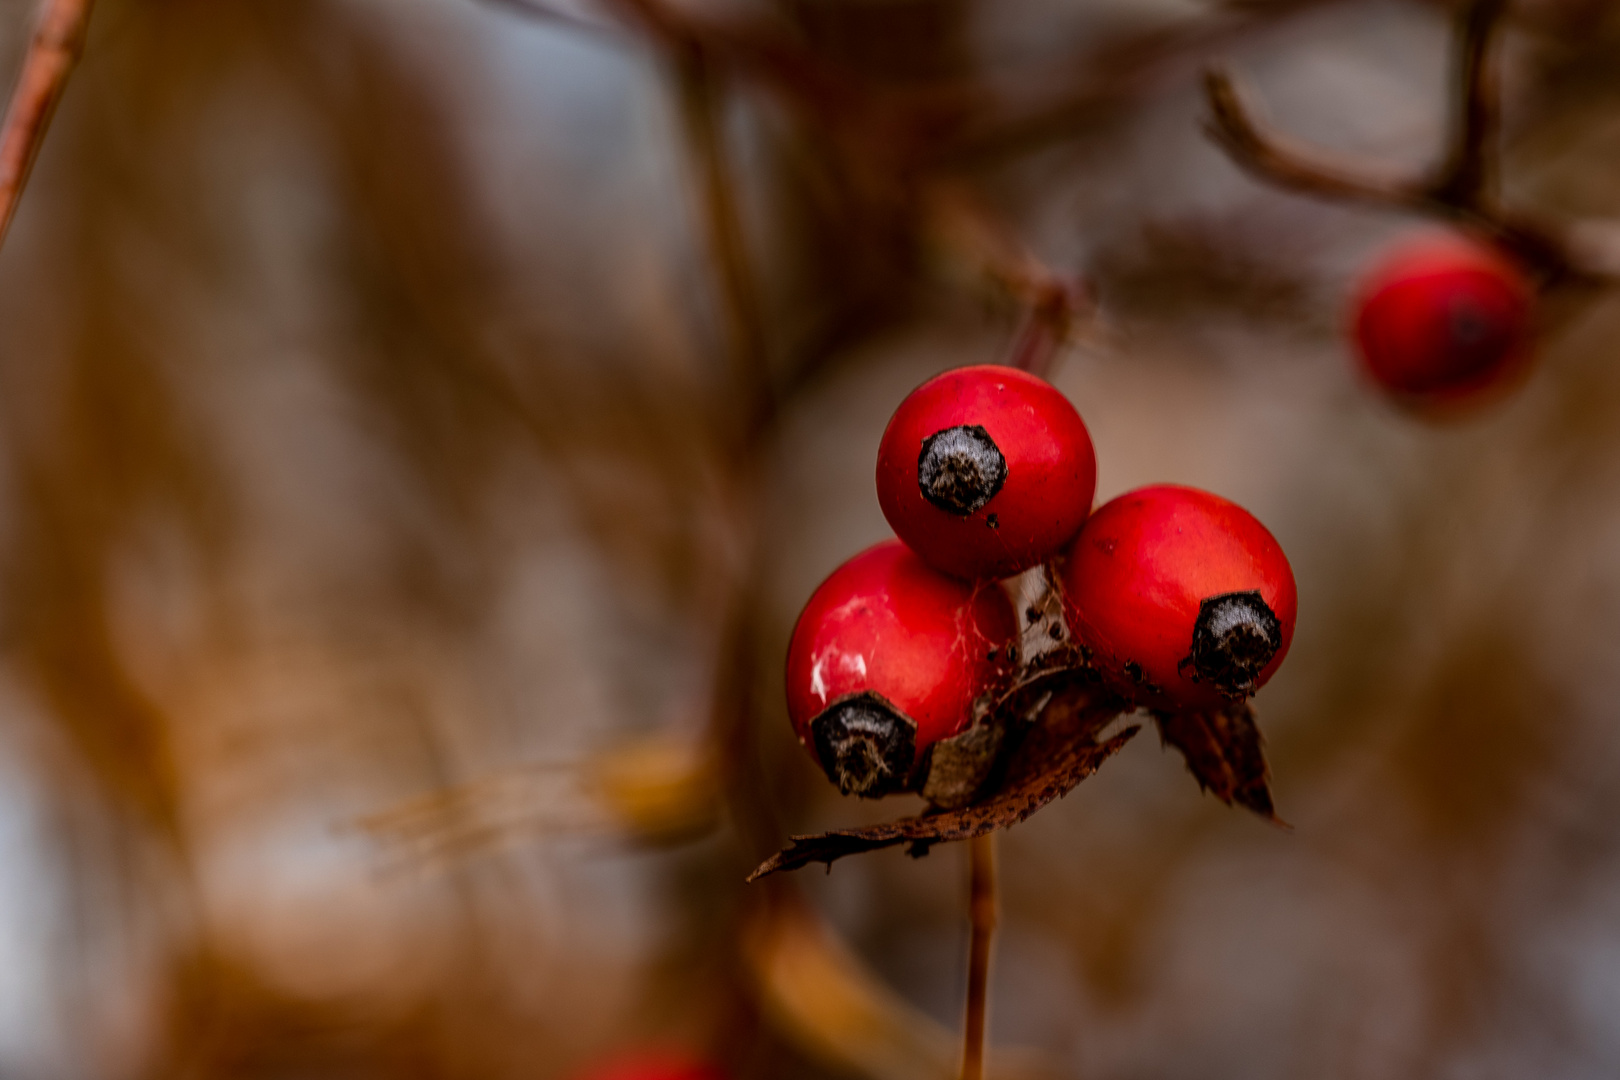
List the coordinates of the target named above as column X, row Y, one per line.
column 1052, row 302
column 758, row 50
column 1466, row 177
column 1270, row 157
column 1096, row 88
column 1045, row 330
column 867, row 132
column 982, row 918
column 1461, row 188
column 702, row 112
column 654, row 790
column 53, row 52
column 537, row 9
column 838, row 1012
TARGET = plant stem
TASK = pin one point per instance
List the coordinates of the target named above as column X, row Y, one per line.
column 1043, row 332
column 982, row 915
column 58, row 40
column 702, row 102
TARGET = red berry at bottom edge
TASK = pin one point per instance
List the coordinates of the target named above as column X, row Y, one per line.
column 986, row 471
column 889, row 657
column 652, row 1065
column 1184, row 599
column 1443, row 319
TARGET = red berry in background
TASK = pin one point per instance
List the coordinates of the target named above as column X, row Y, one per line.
column 986, row 471
column 1183, row 598
column 1443, row 319
column 888, row 658
column 653, row 1065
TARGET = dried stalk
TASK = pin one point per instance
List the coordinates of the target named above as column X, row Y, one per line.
column 982, row 916
column 1052, row 303
column 1043, row 333
column 53, row 52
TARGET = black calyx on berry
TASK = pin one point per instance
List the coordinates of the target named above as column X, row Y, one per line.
column 1235, row 637
column 865, row 745
column 960, row 469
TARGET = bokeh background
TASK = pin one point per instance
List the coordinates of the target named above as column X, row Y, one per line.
column 407, row 488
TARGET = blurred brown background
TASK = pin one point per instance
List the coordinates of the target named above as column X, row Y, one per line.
column 405, row 499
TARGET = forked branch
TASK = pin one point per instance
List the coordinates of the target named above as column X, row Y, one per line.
column 1461, row 188
column 58, row 40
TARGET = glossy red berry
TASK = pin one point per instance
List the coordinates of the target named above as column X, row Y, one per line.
column 653, row 1065
column 889, row 657
column 1184, row 599
column 1443, row 319
column 986, row 471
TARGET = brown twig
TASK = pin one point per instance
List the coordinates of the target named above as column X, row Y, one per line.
column 1045, row 330
column 1052, row 302
column 58, row 41
column 1466, row 177
column 701, row 105
column 1270, row 157
column 1461, row 188
column 982, row 918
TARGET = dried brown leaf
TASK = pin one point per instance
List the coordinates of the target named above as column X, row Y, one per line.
column 1225, row 753
column 1048, row 760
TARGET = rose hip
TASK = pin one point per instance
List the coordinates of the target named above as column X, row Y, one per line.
column 986, row 471
column 1183, row 598
column 1443, row 320
column 889, row 657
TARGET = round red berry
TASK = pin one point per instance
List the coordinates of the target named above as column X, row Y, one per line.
column 1184, row 600
column 1444, row 318
column 653, row 1065
column 889, row 657
column 986, row 471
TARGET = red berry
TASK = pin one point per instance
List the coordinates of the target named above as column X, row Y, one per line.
column 1443, row 319
column 653, row 1065
column 889, row 657
column 1183, row 598
column 986, row 471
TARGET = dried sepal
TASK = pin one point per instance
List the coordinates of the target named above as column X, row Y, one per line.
column 1225, row 752
column 1052, row 723
column 955, row 770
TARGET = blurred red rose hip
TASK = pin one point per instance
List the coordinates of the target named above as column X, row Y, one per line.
column 1444, row 319
column 1183, row 598
column 986, row 471
column 889, row 657
column 652, row 1065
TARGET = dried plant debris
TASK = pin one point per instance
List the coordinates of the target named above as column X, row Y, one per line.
column 1052, row 723
column 1224, row 751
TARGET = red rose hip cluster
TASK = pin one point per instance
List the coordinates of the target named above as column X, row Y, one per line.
column 1181, row 599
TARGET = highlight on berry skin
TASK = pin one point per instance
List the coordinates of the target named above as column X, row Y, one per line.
column 1444, row 320
column 888, row 658
column 1183, row 598
column 986, row 471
